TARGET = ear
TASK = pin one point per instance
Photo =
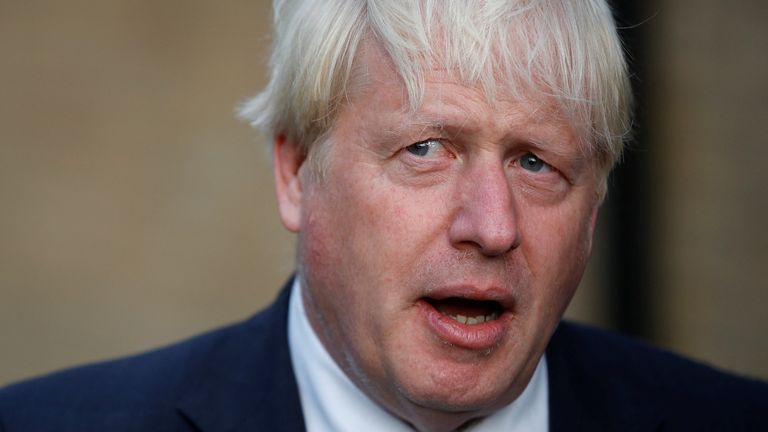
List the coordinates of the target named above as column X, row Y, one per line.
column 593, row 220
column 288, row 160
column 592, row 224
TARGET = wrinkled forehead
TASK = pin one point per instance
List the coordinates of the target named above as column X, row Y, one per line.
column 433, row 79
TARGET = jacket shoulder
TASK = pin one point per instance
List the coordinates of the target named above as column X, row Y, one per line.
column 606, row 368
column 138, row 392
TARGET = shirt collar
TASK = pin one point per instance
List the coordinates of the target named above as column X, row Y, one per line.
column 330, row 401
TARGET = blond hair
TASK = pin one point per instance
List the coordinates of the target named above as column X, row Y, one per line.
column 568, row 50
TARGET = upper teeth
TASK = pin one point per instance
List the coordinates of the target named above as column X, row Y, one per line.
column 475, row 319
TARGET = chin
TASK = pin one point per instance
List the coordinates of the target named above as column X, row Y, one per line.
column 446, row 410
column 459, row 388
column 477, row 404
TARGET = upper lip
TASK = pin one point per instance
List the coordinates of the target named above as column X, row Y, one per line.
column 495, row 293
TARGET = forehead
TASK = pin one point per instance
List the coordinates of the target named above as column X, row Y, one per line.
column 444, row 97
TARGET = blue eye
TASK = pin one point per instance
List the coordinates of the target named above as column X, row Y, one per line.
column 423, row 148
column 531, row 162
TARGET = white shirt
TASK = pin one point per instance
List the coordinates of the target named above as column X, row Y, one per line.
column 331, row 402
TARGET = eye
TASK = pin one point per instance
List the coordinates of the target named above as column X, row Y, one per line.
column 425, row 148
column 531, row 162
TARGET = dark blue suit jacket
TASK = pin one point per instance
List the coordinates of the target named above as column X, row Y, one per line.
column 240, row 378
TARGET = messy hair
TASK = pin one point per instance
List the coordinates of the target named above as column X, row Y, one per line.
column 565, row 50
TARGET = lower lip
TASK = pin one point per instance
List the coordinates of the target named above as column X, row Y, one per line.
column 481, row 336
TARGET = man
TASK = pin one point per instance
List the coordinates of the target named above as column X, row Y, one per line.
column 443, row 164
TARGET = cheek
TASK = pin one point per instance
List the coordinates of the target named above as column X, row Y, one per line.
column 558, row 245
column 393, row 222
column 350, row 237
column 334, row 266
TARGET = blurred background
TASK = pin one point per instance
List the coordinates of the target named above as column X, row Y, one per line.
column 135, row 209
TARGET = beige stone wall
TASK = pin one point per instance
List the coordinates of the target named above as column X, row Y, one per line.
column 710, row 147
column 136, row 210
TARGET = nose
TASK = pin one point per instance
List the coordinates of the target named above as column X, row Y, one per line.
column 486, row 217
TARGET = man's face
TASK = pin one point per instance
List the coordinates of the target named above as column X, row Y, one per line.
column 442, row 246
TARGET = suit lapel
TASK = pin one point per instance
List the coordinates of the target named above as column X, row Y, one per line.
column 248, row 383
column 585, row 395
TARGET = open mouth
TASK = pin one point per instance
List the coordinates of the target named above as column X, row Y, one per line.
column 467, row 311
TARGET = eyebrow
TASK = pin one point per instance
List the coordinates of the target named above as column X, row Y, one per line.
column 439, row 124
column 450, row 121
